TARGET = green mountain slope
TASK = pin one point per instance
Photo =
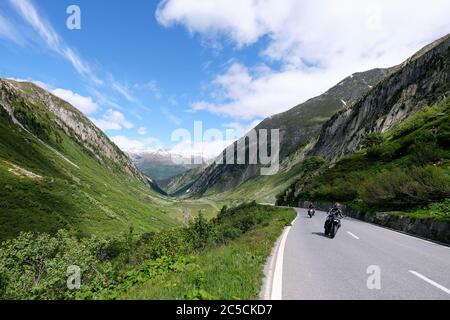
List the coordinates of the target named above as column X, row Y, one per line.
column 58, row 171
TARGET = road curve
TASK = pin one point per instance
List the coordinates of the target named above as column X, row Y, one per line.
column 315, row 267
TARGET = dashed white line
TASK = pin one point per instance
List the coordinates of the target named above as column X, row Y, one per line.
column 356, row 237
column 433, row 283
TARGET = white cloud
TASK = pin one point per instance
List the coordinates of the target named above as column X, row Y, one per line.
column 123, row 90
column 171, row 117
column 8, row 31
column 153, row 87
column 203, row 150
column 112, row 120
column 142, row 131
column 241, row 94
column 136, row 146
column 315, row 44
column 47, row 33
column 84, row 104
column 235, row 18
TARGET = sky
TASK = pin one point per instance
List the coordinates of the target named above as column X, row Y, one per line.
column 142, row 69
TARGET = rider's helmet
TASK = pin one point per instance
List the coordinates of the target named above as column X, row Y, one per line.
column 337, row 205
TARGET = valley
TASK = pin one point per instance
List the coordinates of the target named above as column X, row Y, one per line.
column 378, row 142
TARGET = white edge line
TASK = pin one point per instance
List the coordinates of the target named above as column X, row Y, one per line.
column 437, row 285
column 277, row 281
column 354, row 236
column 266, row 294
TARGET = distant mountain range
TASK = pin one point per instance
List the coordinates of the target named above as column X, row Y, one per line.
column 162, row 166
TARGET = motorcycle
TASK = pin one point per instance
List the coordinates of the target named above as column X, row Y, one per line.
column 332, row 225
column 311, row 213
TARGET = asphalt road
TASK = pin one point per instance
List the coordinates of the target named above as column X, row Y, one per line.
column 396, row 266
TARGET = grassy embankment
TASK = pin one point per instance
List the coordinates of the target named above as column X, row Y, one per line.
column 230, row 270
column 208, row 259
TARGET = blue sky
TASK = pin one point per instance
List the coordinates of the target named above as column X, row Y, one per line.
column 144, row 68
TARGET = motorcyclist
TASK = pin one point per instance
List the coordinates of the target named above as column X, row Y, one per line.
column 311, row 210
column 335, row 211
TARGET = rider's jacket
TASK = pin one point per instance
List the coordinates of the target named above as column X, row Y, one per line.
column 336, row 212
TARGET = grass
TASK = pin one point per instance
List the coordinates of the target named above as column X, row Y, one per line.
column 231, row 271
column 436, row 211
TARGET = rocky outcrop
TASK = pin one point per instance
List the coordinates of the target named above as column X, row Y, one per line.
column 424, row 79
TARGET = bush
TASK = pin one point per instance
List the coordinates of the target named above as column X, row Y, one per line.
column 384, row 152
column 170, row 243
column 313, row 164
column 406, row 187
column 422, row 147
column 35, row 266
column 425, row 153
column 372, row 139
column 200, row 233
column 443, row 135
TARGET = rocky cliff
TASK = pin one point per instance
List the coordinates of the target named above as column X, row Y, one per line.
column 424, row 79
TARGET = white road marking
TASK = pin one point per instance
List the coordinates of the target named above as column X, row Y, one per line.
column 277, row 282
column 402, row 233
column 437, row 285
column 357, row 238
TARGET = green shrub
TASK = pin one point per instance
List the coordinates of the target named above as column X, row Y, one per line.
column 313, row 163
column 35, row 266
column 425, row 153
column 372, row 139
column 384, row 152
column 200, row 233
column 406, row 187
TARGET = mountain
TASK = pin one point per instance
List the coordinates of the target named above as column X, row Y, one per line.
column 389, row 152
column 59, row 171
column 422, row 80
column 298, row 128
column 180, row 185
column 163, row 165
